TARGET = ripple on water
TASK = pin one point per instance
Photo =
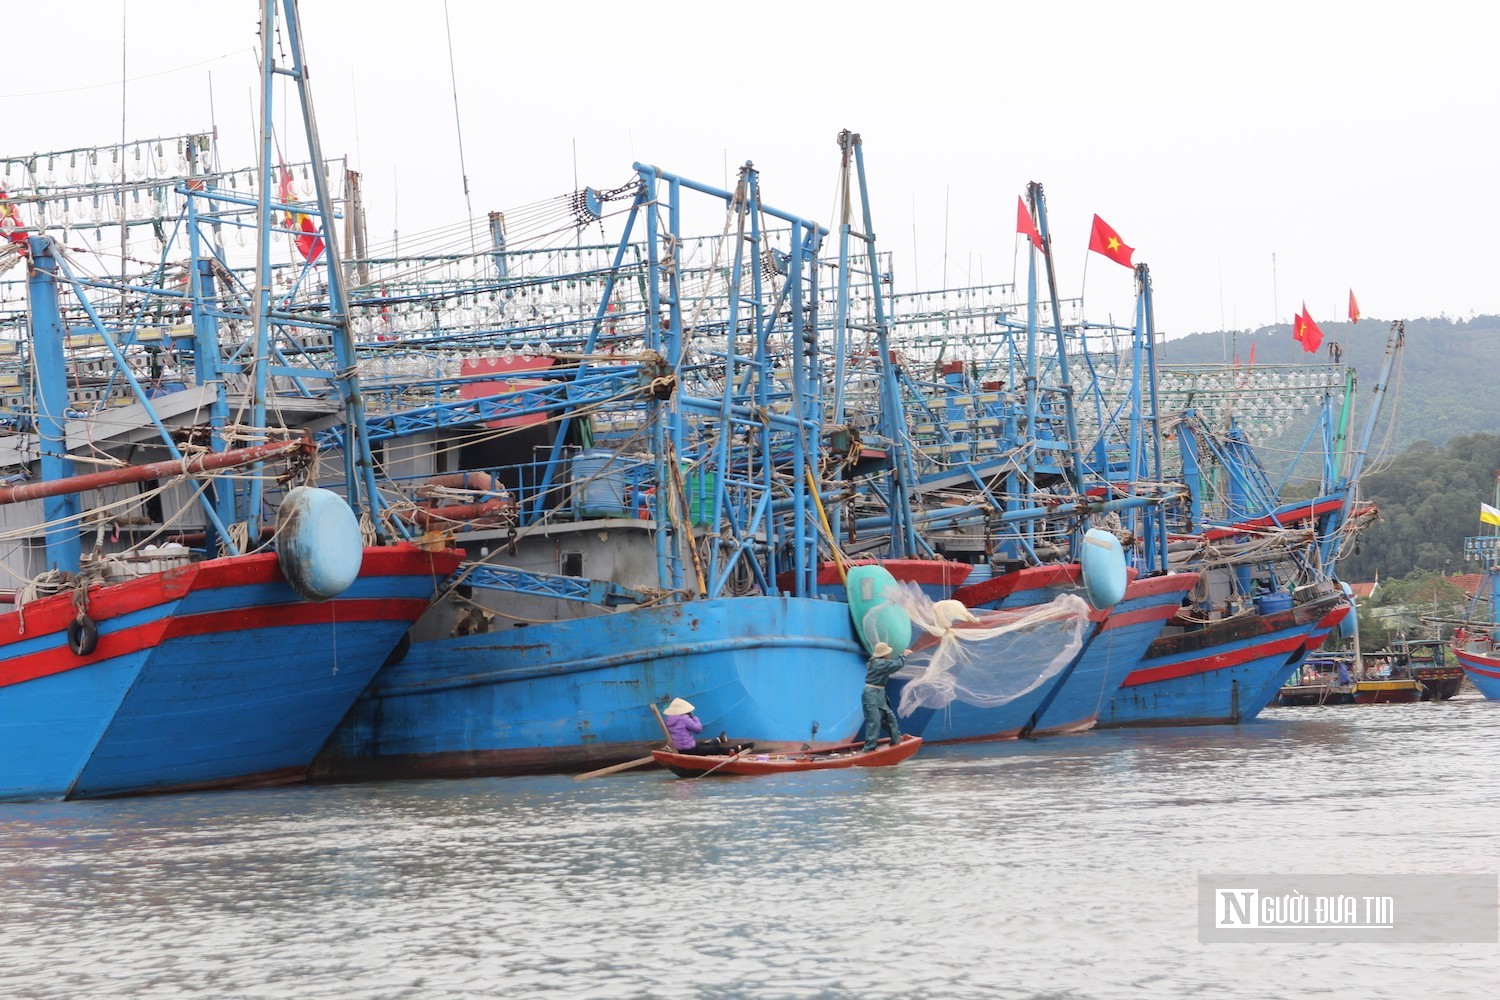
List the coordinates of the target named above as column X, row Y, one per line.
column 1051, row 868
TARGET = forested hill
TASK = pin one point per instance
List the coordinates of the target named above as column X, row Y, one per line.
column 1429, row 503
column 1442, row 388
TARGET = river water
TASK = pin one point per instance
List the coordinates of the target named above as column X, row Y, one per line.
column 1063, row 867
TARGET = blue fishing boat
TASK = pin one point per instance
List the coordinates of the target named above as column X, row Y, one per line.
column 654, row 512
column 132, row 666
column 1223, row 672
column 560, row 696
column 1476, row 643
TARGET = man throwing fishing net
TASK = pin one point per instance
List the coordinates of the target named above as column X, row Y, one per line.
column 878, row 713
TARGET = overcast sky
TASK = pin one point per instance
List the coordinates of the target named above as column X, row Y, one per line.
column 1355, row 142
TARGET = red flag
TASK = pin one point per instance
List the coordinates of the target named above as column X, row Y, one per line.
column 1025, row 226
column 309, row 245
column 1353, row 308
column 1105, row 240
column 1252, row 354
column 1305, row 331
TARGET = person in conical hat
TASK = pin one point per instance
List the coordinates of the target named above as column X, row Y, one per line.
column 876, row 705
column 683, row 727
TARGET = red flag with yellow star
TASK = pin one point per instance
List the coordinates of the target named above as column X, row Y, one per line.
column 1105, row 240
column 1353, row 308
column 309, row 244
column 1306, row 332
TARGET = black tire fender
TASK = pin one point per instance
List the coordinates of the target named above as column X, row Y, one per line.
column 83, row 635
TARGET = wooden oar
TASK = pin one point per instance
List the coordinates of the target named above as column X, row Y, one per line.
column 614, row 767
column 720, row 764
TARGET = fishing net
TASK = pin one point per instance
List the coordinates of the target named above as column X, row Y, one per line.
column 984, row 658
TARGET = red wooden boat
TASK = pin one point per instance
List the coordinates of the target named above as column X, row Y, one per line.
column 687, row 765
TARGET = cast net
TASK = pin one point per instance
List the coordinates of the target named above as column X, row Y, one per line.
column 984, row 658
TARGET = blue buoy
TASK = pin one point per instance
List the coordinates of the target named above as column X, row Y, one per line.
column 319, row 546
column 1103, row 562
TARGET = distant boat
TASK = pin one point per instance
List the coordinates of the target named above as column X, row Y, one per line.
column 1322, row 680
column 1474, row 643
column 753, row 762
column 1387, row 691
column 1427, row 663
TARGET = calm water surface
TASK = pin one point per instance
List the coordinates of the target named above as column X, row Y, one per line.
column 1053, row 868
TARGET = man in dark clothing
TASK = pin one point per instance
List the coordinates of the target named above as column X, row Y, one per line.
column 877, row 706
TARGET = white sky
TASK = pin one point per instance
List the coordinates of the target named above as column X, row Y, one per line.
column 1355, row 141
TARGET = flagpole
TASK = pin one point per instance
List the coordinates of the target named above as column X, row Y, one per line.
column 1083, row 285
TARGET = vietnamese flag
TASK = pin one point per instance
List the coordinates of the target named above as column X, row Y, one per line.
column 1353, row 308
column 1306, row 332
column 1105, row 240
column 1025, row 226
column 309, row 245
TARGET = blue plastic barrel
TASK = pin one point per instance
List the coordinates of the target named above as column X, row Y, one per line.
column 601, row 483
column 1269, row 604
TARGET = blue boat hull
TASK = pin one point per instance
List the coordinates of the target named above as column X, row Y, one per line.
column 211, row 675
column 1115, row 651
column 1109, row 654
column 571, row 695
column 1482, row 670
column 1225, row 672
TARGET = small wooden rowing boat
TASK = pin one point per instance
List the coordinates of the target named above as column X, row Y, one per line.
column 686, row 765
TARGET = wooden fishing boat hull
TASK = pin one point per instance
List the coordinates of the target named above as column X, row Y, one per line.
column 210, row 675
column 1110, row 655
column 849, row 755
column 1225, row 672
column 1387, row 692
column 1481, row 666
column 1293, row 695
column 576, row 695
column 1439, row 683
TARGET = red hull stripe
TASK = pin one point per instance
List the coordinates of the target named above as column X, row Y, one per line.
column 1219, row 661
column 1269, row 521
column 1482, row 672
column 52, row 614
column 1159, row 613
column 147, row 635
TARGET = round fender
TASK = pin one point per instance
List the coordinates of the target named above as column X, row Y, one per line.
column 318, row 543
column 83, row 635
column 1103, row 563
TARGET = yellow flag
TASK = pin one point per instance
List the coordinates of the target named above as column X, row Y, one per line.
column 1488, row 514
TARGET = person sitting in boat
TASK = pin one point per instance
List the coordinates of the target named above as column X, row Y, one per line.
column 683, row 726
column 877, row 706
